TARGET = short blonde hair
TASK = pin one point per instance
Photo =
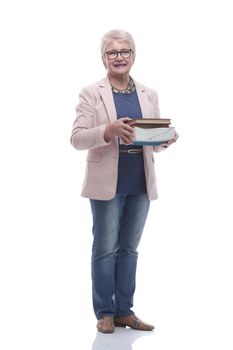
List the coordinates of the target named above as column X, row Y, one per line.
column 117, row 34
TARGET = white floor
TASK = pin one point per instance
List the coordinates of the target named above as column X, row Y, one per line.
column 123, row 339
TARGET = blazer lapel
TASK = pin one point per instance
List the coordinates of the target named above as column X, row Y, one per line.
column 106, row 93
column 147, row 110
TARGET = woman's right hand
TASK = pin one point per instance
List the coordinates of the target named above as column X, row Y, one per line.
column 120, row 129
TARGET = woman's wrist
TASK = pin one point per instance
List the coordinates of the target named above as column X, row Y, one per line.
column 108, row 133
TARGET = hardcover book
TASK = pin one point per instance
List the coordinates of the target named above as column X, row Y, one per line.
column 149, row 122
column 152, row 131
column 153, row 136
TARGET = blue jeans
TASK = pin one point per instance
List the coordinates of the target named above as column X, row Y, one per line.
column 117, row 228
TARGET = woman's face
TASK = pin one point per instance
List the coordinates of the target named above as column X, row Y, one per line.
column 119, row 65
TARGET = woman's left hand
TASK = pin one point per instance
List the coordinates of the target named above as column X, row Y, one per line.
column 168, row 143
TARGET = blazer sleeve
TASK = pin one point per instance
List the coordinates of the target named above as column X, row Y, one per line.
column 86, row 133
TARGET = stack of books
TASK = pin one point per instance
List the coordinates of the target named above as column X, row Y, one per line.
column 151, row 131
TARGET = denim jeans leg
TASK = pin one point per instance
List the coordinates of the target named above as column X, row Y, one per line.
column 106, row 224
column 132, row 224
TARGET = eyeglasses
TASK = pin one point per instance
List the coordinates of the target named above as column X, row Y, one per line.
column 125, row 53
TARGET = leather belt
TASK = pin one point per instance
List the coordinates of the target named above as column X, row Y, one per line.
column 132, row 150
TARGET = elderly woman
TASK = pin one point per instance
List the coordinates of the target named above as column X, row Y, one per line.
column 120, row 179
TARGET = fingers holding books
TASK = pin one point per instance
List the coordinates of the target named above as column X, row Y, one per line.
column 174, row 139
column 170, row 142
column 120, row 129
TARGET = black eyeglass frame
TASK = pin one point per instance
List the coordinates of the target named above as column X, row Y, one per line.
column 129, row 52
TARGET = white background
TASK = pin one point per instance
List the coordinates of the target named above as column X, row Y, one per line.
column 49, row 51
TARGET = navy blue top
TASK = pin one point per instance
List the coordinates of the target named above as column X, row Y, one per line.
column 131, row 173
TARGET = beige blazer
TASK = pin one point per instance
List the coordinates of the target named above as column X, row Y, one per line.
column 96, row 108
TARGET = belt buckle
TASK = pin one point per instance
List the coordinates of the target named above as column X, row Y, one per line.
column 133, row 150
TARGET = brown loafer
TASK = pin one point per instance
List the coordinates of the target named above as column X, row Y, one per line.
column 106, row 325
column 134, row 322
